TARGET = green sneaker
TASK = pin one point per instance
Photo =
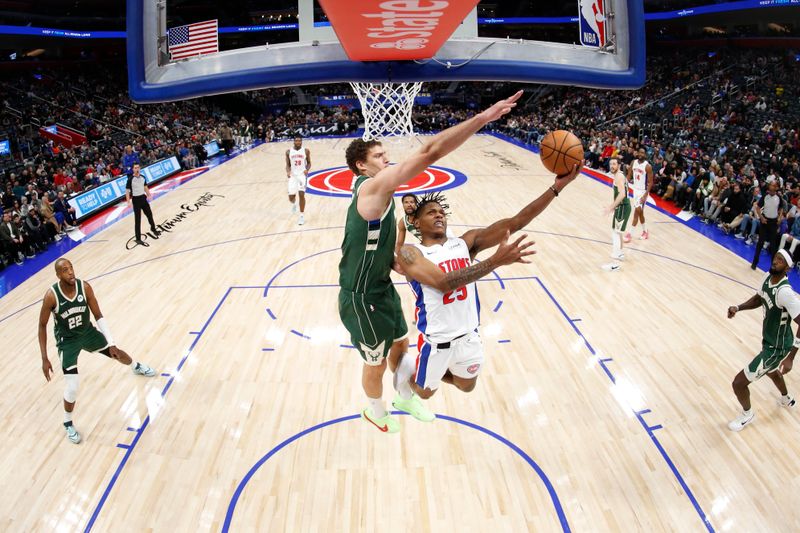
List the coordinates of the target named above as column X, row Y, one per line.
column 414, row 407
column 387, row 424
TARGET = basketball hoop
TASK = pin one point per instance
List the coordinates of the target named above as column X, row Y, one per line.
column 386, row 108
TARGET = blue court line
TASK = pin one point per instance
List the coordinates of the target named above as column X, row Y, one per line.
column 114, row 477
column 271, row 314
column 164, row 391
column 270, row 283
column 165, row 374
column 13, row 277
column 290, row 265
column 240, row 239
column 497, row 307
column 123, row 446
column 178, row 252
column 299, row 334
column 194, row 333
column 639, row 416
column 267, row 349
column 348, row 346
column 132, row 429
column 562, row 518
column 146, row 423
column 710, row 232
column 504, row 341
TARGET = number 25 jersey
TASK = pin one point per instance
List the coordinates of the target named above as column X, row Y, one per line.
column 445, row 316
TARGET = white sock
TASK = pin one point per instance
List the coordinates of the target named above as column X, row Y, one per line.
column 747, row 411
column 378, row 409
column 405, row 370
column 616, row 240
column 644, row 227
column 67, row 417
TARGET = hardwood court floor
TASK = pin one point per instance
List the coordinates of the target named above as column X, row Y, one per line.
column 602, row 407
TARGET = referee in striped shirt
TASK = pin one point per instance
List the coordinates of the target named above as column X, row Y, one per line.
column 138, row 192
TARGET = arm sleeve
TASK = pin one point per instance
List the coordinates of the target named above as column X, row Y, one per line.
column 128, row 184
column 787, row 299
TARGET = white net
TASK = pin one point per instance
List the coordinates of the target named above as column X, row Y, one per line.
column 387, row 108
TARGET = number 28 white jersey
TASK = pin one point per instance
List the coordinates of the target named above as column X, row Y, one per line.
column 445, row 316
column 298, row 160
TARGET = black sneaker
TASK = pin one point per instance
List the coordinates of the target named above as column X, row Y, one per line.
column 142, row 243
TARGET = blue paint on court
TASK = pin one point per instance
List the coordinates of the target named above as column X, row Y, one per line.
column 562, row 518
column 639, row 415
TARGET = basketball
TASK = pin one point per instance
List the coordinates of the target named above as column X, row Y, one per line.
column 560, row 151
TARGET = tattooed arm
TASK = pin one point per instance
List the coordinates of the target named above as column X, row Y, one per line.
column 416, row 267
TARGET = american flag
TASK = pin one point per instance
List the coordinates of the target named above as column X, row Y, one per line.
column 193, row 40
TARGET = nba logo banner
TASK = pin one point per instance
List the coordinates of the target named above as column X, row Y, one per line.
column 592, row 22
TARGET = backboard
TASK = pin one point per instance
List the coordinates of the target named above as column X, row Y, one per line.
column 318, row 56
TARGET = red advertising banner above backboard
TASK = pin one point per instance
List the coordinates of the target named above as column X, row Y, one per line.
column 395, row 30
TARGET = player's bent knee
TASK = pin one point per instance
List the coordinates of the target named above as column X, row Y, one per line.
column 465, row 385
column 71, row 382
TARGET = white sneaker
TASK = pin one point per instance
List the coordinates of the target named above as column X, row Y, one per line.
column 143, row 370
column 72, row 433
column 611, row 267
column 786, row 401
column 301, row 221
column 619, row 257
column 738, row 423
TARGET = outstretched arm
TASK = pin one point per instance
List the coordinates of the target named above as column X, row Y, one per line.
column 753, row 303
column 483, row 238
column 416, row 267
column 375, row 194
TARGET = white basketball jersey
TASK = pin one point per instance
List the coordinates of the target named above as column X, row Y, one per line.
column 639, row 175
column 445, row 316
column 298, row 160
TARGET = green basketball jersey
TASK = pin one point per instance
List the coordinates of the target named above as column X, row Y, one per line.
column 411, row 229
column 367, row 249
column 71, row 316
column 776, row 329
column 625, row 201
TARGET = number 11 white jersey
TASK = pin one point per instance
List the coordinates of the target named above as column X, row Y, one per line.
column 444, row 316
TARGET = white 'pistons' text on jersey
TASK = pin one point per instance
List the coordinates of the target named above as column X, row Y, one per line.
column 298, row 160
column 445, row 316
column 639, row 175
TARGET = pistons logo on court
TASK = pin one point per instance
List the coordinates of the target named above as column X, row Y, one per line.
column 339, row 182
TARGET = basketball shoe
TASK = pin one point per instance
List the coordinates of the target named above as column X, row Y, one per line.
column 72, row 433
column 738, row 423
column 143, row 370
column 386, row 424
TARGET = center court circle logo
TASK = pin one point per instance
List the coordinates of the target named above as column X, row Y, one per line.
column 338, row 181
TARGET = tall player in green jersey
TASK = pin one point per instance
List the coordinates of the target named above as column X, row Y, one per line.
column 621, row 207
column 70, row 301
column 369, row 305
column 781, row 306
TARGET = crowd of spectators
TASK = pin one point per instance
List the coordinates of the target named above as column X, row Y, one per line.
column 717, row 129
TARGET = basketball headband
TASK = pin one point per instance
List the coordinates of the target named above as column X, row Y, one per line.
column 786, row 256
